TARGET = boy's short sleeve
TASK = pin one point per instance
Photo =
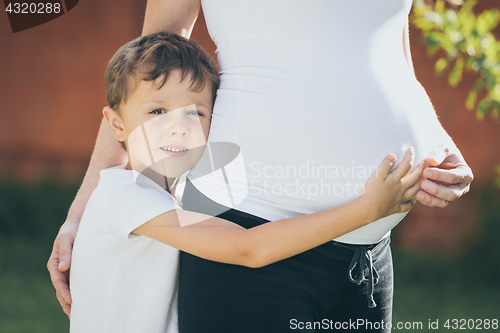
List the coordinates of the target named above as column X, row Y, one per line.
column 129, row 206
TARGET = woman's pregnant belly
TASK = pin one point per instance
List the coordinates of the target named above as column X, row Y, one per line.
column 310, row 145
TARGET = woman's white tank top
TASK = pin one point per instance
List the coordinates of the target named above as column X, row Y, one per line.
column 315, row 94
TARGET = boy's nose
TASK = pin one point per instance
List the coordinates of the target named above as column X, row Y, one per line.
column 179, row 132
column 178, row 126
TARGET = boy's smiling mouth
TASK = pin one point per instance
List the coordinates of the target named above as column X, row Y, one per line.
column 175, row 150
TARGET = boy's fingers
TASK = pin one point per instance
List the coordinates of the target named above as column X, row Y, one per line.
column 385, row 167
column 405, row 206
column 405, row 165
column 414, row 177
column 411, row 192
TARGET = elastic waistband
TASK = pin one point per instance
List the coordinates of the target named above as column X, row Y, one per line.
column 372, row 247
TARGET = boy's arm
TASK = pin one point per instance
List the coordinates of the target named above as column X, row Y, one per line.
column 223, row 241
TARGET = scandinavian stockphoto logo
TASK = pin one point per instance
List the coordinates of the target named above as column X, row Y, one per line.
column 170, row 152
column 28, row 14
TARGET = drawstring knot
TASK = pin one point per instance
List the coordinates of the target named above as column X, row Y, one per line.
column 363, row 259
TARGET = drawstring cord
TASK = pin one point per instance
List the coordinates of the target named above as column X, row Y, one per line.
column 363, row 258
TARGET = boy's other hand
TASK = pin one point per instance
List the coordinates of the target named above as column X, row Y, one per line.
column 60, row 262
column 391, row 192
column 447, row 178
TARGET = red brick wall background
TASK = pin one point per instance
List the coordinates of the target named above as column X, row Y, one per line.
column 447, row 230
column 52, row 93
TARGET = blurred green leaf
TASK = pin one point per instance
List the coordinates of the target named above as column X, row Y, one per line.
column 456, row 73
column 495, row 112
column 441, row 65
column 487, row 21
column 471, row 100
column 482, row 108
column 439, row 6
column 466, row 39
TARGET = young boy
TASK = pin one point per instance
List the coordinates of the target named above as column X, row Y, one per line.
column 161, row 90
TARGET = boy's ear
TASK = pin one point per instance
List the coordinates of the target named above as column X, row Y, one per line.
column 115, row 123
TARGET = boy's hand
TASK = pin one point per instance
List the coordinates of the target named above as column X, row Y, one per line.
column 60, row 261
column 390, row 192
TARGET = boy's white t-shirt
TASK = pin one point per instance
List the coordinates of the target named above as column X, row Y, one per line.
column 121, row 282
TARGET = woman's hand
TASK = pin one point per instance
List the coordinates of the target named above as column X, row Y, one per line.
column 391, row 192
column 447, row 178
column 60, row 262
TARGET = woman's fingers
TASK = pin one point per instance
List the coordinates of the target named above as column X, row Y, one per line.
column 405, row 165
column 431, row 201
column 65, row 306
column 59, row 262
column 437, row 155
column 60, row 280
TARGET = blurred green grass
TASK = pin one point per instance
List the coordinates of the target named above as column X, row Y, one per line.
column 426, row 287
column 28, row 302
column 467, row 286
column 30, row 216
column 433, row 288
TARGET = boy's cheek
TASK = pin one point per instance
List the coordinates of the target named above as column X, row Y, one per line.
column 206, row 129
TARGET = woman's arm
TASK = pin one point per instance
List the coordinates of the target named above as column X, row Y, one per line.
column 107, row 153
column 177, row 16
column 406, row 47
column 219, row 240
column 445, row 162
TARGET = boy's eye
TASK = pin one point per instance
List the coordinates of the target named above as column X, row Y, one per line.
column 194, row 113
column 157, row 111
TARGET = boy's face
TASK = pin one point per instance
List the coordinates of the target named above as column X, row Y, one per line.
column 166, row 129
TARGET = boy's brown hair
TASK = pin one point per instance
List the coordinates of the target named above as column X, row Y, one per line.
column 153, row 57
